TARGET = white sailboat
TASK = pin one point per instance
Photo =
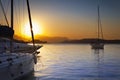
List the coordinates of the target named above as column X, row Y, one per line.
column 97, row 44
column 16, row 62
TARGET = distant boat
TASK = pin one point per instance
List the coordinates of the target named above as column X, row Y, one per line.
column 97, row 44
column 16, row 60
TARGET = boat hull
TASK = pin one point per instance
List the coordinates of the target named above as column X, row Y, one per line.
column 97, row 46
column 17, row 67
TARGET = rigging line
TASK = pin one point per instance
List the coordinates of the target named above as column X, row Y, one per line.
column 23, row 12
column 8, row 4
column 0, row 18
column 100, row 32
column 100, row 23
column 23, row 16
column 19, row 10
column 101, row 29
column 4, row 12
column 16, row 14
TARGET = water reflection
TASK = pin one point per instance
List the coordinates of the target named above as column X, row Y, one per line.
column 99, row 60
column 77, row 62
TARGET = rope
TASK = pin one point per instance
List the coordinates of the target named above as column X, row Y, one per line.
column 7, row 8
column 4, row 12
column 101, row 29
column 16, row 15
column 19, row 10
column 100, row 32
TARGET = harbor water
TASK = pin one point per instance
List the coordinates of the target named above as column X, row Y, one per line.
column 77, row 62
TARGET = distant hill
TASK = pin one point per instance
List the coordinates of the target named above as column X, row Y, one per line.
column 51, row 39
column 47, row 39
column 20, row 39
column 17, row 37
column 92, row 40
column 42, row 39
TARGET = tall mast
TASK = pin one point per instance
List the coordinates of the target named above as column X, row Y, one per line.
column 12, row 14
column 12, row 17
column 100, row 32
column 98, row 22
column 30, row 21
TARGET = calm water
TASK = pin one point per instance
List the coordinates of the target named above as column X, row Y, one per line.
column 77, row 62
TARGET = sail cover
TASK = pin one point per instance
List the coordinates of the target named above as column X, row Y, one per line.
column 6, row 31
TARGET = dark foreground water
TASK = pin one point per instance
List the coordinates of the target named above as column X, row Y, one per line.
column 77, row 62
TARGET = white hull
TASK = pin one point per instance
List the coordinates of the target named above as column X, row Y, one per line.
column 17, row 47
column 15, row 59
column 97, row 46
column 15, row 66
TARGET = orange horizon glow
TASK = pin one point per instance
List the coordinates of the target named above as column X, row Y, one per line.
column 37, row 30
column 70, row 21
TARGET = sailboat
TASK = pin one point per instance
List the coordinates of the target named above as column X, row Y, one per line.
column 15, row 63
column 97, row 44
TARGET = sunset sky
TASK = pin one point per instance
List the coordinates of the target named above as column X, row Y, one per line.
column 75, row 19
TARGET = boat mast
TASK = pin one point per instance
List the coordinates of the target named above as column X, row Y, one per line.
column 98, row 22
column 12, row 14
column 100, row 32
column 30, row 21
column 12, row 19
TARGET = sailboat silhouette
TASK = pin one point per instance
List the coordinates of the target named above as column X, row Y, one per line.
column 97, row 44
column 16, row 63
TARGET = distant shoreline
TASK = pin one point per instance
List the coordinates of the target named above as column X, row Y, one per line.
column 89, row 41
column 79, row 41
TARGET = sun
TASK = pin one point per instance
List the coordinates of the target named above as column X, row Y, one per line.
column 37, row 30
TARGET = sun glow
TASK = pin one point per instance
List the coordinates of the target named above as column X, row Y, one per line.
column 36, row 30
